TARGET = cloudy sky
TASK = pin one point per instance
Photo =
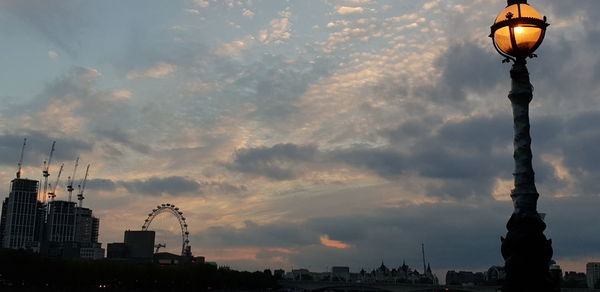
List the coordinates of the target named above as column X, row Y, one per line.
column 305, row 133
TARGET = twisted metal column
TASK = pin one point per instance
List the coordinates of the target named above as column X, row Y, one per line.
column 526, row 251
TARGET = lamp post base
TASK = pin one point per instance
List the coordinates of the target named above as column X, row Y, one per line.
column 527, row 254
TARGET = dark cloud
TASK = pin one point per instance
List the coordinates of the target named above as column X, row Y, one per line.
column 275, row 162
column 455, row 235
column 384, row 162
column 101, row 184
column 38, row 148
column 466, row 67
column 252, row 234
column 466, row 156
column 122, row 137
column 156, row 186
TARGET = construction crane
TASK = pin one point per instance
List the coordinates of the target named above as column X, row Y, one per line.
column 81, row 187
column 71, row 178
column 52, row 193
column 21, row 159
column 46, row 172
column 158, row 246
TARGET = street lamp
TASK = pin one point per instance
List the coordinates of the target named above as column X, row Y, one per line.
column 517, row 32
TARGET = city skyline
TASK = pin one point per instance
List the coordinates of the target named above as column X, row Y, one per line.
column 305, row 133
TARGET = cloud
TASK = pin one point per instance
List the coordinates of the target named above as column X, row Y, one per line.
column 52, row 54
column 223, row 188
column 71, row 106
column 248, row 13
column 349, row 10
column 279, row 32
column 156, row 186
column 276, row 162
column 201, row 3
column 326, row 241
column 450, row 234
column 38, row 148
column 431, row 4
column 160, row 69
column 234, row 48
column 277, row 234
column 121, row 136
column 192, row 11
column 359, row 1
column 122, row 94
column 101, row 184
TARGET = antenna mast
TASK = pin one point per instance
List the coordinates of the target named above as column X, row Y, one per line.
column 71, row 178
column 45, row 171
column 21, row 159
column 52, row 193
column 423, row 251
column 81, row 187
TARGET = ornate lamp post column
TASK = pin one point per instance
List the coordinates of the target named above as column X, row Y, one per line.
column 517, row 32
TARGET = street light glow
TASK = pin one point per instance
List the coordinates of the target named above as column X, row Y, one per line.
column 518, row 31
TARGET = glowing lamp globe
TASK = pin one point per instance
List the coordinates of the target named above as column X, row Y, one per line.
column 518, row 30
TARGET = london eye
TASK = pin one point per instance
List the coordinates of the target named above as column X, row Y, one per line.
column 171, row 209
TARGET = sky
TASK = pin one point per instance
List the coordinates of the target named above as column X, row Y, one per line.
column 305, row 133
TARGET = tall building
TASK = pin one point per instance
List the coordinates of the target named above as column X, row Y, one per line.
column 3, row 220
column 22, row 220
column 60, row 225
column 86, row 226
column 593, row 275
column 72, row 231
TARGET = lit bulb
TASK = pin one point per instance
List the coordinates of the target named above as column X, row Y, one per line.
column 518, row 29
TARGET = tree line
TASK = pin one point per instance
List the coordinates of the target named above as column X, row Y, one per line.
column 25, row 271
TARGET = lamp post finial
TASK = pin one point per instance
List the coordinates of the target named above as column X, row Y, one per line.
column 511, row 2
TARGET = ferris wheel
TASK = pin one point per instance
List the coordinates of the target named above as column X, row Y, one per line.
column 186, row 249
